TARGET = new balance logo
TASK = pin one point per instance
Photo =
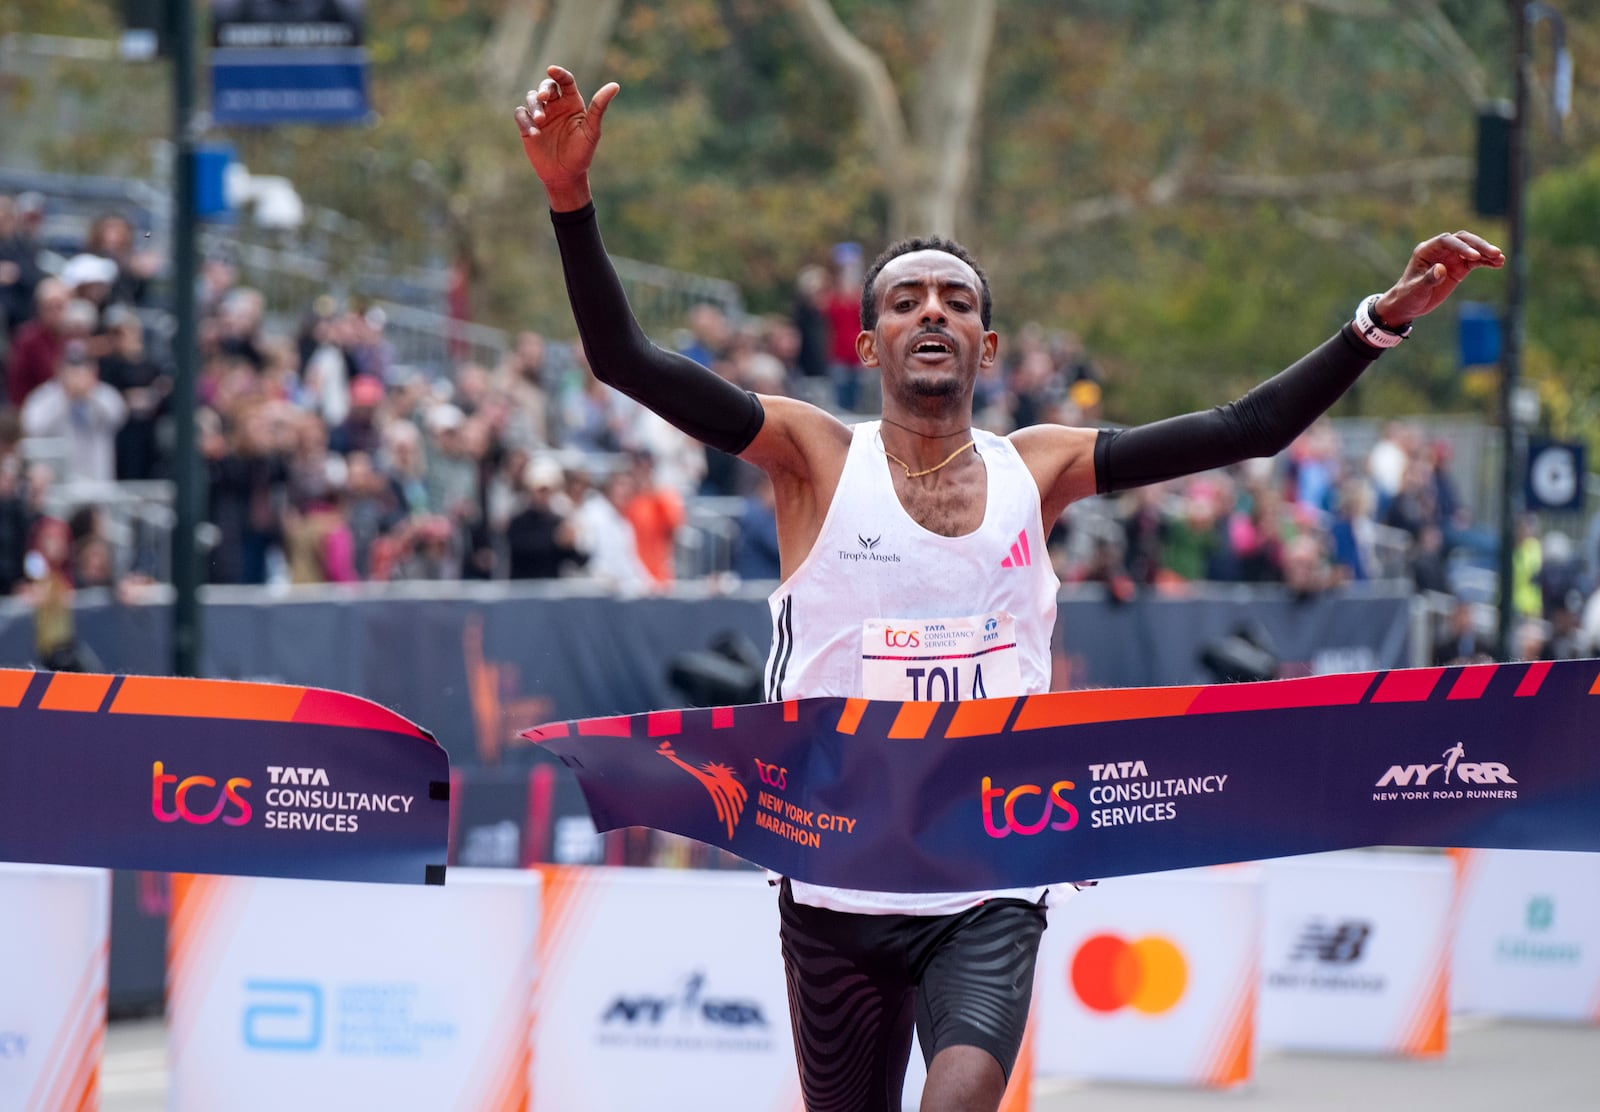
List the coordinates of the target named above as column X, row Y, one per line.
column 1020, row 556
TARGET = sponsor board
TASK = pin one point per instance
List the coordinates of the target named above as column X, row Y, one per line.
column 283, row 992
column 54, row 931
column 1355, row 953
column 1129, row 990
column 1527, row 938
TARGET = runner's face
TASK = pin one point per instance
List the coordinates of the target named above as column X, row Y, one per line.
column 930, row 340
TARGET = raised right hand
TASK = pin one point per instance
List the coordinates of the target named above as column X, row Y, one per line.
column 560, row 132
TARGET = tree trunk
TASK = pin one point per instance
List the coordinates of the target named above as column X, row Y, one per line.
column 531, row 34
column 926, row 163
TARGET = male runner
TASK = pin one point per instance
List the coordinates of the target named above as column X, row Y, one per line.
column 913, row 535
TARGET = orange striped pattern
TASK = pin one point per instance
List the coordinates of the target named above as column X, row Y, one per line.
column 13, row 685
column 980, row 717
column 189, row 698
column 565, row 908
column 1071, row 708
column 1425, row 1033
column 1019, row 1090
column 851, row 717
column 71, row 691
column 70, row 1078
column 1231, row 1057
column 205, row 910
column 505, row 1063
column 913, row 720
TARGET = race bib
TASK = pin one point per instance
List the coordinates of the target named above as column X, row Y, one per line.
column 943, row 660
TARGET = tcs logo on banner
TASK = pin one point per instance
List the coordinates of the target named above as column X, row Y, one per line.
column 203, row 807
column 1008, row 810
column 1110, row 973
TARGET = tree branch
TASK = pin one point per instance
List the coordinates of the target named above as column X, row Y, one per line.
column 1174, row 186
column 1429, row 29
column 865, row 71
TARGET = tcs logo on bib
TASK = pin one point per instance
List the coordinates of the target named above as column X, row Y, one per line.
column 901, row 638
column 1110, row 973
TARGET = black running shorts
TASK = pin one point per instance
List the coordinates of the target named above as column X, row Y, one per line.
column 858, row 982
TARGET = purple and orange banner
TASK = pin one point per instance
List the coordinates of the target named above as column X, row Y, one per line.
column 216, row 776
column 997, row 793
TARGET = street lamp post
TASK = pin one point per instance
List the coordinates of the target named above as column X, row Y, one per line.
column 186, row 463
column 1524, row 13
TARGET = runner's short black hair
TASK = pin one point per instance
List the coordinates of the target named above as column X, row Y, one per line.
column 869, row 303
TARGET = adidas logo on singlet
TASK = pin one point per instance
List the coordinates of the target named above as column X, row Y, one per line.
column 1020, row 556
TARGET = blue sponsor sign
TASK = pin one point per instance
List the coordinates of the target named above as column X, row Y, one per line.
column 288, row 61
column 263, row 87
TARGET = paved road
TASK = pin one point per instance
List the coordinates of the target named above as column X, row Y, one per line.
column 1491, row 1067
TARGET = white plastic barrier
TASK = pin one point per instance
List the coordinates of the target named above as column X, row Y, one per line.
column 1153, row 978
column 661, row 989
column 1356, row 953
column 55, row 926
column 1527, row 940
column 313, row 994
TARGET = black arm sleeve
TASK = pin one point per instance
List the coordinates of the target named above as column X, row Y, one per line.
column 1262, row 423
column 706, row 406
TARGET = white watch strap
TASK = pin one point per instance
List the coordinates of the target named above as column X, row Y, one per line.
column 1371, row 331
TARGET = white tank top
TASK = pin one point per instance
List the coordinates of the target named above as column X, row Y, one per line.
column 880, row 599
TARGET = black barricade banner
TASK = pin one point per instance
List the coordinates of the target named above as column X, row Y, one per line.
column 213, row 776
column 999, row 793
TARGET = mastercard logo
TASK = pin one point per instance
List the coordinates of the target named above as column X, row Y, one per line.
column 1110, row 973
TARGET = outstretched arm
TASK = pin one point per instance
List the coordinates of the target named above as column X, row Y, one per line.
column 1267, row 419
column 559, row 135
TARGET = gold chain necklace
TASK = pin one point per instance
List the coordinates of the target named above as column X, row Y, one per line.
column 910, row 474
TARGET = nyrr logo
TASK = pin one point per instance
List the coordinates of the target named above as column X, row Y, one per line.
column 1342, row 944
column 1148, row 975
column 13, row 1045
column 1465, row 772
column 195, row 812
column 720, row 781
column 689, row 1006
column 1014, row 825
column 1541, row 913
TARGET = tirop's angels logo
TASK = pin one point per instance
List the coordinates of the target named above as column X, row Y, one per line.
column 869, row 543
column 718, row 779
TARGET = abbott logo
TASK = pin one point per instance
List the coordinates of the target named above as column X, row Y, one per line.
column 283, row 1016
column 1148, row 975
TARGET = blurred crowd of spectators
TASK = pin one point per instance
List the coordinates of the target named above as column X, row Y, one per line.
column 330, row 461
